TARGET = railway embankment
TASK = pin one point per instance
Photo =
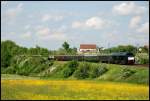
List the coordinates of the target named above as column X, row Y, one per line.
column 43, row 68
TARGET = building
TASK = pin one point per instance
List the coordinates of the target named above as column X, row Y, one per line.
column 88, row 48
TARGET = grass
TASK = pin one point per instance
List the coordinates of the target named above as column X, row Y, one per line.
column 36, row 89
column 108, row 86
column 141, row 75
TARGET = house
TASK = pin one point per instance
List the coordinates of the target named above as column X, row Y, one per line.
column 88, row 48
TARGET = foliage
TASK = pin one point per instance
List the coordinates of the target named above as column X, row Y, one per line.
column 9, row 70
column 65, row 45
column 9, row 50
column 142, row 58
column 122, row 48
column 66, row 49
column 98, row 71
column 125, row 73
column 69, row 68
column 144, row 49
column 28, row 65
column 83, row 71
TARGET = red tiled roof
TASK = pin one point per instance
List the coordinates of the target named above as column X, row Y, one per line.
column 87, row 46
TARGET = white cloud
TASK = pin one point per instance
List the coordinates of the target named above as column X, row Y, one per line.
column 27, row 26
column 77, row 24
column 128, row 8
column 26, row 35
column 13, row 12
column 30, row 16
column 48, row 17
column 46, row 33
column 43, row 31
column 134, row 23
column 93, row 22
column 54, row 36
column 144, row 28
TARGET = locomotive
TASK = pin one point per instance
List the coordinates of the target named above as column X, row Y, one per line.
column 114, row 58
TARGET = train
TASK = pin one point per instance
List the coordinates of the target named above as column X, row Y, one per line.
column 125, row 58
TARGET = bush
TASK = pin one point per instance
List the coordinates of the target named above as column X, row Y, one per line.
column 69, row 68
column 125, row 73
column 9, row 70
column 102, row 69
column 142, row 58
column 25, row 65
column 96, row 71
column 83, row 71
column 143, row 61
column 67, row 72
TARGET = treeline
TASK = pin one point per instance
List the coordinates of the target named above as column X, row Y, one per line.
column 10, row 49
column 127, row 48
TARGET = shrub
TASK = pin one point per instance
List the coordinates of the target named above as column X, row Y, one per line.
column 67, row 72
column 69, row 68
column 142, row 58
column 102, row 69
column 144, row 61
column 125, row 73
column 97, row 71
column 9, row 70
column 28, row 65
column 94, row 72
column 83, row 71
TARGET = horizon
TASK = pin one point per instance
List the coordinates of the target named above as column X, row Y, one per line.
column 49, row 23
column 138, row 46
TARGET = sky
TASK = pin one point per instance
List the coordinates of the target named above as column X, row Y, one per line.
column 49, row 23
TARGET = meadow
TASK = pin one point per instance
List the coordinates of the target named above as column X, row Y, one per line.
column 39, row 89
column 50, row 82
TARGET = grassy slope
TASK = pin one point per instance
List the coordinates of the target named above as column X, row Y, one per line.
column 141, row 76
column 113, row 74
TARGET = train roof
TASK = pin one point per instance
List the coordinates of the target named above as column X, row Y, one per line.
column 121, row 54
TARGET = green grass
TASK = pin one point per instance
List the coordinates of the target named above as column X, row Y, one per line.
column 141, row 75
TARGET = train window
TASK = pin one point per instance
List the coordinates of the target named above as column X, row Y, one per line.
column 121, row 57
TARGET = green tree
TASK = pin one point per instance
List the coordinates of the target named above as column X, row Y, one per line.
column 65, row 45
column 8, row 50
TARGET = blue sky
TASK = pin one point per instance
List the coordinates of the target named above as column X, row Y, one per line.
column 50, row 23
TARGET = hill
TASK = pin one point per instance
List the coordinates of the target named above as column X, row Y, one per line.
column 43, row 68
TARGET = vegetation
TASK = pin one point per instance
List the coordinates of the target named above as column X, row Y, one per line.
column 9, row 50
column 35, row 89
column 40, row 66
column 69, row 68
column 126, row 72
column 97, row 76
column 83, row 71
column 127, row 48
column 98, row 71
column 25, row 65
column 142, row 58
column 66, row 49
